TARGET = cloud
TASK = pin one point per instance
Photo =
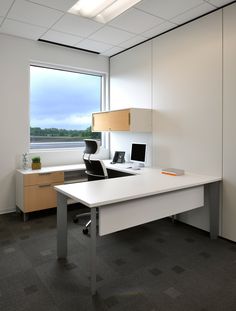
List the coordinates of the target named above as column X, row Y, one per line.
column 71, row 122
column 79, row 119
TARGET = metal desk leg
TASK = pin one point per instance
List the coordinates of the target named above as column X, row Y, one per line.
column 214, row 208
column 61, row 225
column 93, row 231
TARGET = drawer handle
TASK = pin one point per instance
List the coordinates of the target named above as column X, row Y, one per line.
column 44, row 186
column 40, row 174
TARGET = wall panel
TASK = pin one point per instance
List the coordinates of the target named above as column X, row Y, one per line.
column 131, row 86
column 229, row 124
column 187, row 99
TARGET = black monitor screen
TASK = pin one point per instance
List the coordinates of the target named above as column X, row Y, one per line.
column 138, row 152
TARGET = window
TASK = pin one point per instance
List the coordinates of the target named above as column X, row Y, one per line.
column 61, row 106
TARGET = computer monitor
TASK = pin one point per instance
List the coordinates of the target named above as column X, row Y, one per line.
column 138, row 153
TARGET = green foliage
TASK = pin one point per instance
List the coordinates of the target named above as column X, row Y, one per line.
column 55, row 132
column 36, row 159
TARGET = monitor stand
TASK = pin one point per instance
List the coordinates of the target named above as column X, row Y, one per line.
column 137, row 166
column 141, row 164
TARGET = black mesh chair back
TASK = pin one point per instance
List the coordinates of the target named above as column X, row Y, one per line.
column 95, row 169
column 91, row 146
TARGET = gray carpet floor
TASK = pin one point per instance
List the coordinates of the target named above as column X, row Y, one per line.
column 158, row 266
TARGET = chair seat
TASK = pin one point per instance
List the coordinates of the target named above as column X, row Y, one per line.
column 95, row 170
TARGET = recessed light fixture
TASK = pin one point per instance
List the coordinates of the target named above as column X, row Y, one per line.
column 101, row 10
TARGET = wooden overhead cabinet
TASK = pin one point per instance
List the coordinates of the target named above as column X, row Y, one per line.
column 130, row 120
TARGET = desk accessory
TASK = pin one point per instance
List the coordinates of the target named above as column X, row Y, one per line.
column 25, row 161
column 36, row 163
column 119, row 157
column 172, row 171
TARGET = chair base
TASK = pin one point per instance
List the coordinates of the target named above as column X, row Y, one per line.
column 87, row 225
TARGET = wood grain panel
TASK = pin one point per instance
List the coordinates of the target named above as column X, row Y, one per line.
column 120, row 120
column 43, row 178
column 101, row 122
column 39, row 197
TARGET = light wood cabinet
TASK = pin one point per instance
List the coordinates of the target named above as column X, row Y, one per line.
column 132, row 119
column 43, row 178
column 35, row 189
column 39, row 197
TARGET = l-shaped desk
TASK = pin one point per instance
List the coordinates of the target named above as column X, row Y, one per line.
column 125, row 202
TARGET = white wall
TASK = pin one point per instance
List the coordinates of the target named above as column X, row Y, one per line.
column 187, row 94
column 229, row 124
column 16, row 56
column 187, row 88
column 179, row 76
column 131, row 86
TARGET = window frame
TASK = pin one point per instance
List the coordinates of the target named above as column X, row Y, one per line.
column 103, row 101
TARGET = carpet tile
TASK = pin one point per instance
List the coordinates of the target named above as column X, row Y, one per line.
column 159, row 266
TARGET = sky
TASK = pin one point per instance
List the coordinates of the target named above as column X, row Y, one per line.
column 63, row 99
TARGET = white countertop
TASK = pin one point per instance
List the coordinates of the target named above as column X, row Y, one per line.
column 145, row 182
column 51, row 169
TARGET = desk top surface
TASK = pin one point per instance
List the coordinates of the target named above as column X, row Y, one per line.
column 144, row 182
column 51, row 169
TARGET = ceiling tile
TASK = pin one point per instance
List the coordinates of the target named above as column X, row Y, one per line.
column 49, row 20
column 21, row 29
column 136, row 21
column 133, row 41
column 111, row 35
column 158, row 29
column 193, row 13
column 93, row 45
column 77, row 25
column 60, row 37
column 219, row 3
column 34, row 14
column 5, row 6
column 62, row 5
column 112, row 51
column 167, row 9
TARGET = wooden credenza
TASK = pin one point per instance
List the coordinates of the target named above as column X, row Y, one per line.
column 35, row 188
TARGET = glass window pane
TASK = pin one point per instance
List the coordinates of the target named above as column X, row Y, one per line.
column 61, row 106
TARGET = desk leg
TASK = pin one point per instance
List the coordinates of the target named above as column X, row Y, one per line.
column 61, row 225
column 214, row 208
column 93, row 231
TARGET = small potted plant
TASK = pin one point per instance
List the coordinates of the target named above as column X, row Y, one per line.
column 36, row 163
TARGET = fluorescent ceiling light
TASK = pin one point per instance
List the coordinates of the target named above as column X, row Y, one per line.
column 101, row 10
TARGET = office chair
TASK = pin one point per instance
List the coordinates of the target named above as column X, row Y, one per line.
column 95, row 170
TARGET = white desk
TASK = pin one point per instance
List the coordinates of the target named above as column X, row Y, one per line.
column 133, row 200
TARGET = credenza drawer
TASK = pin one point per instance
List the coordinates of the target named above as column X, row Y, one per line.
column 39, row 197
column 35, row 189
column 43, row 178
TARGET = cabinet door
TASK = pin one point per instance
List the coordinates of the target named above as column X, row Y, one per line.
column 39, row 197
column 101, row 122
column 120, row 120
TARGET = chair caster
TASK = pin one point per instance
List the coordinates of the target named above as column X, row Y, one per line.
column 85, row 231
column 75, row 220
